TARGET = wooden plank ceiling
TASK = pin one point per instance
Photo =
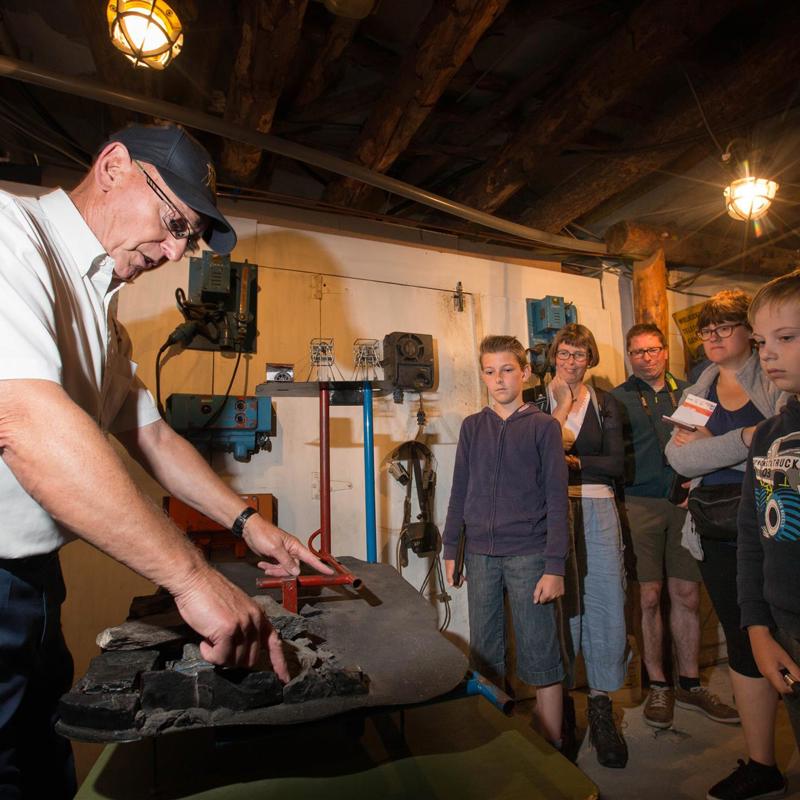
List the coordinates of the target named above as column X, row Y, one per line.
column 570, row 116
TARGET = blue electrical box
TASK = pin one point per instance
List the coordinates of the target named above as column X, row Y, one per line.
column 238, row 425
column 546, row 317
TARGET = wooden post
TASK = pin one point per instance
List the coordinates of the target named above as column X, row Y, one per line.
column 650, row 290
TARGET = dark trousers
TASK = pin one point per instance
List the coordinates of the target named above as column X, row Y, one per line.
column 718, row 569
column 35, row 670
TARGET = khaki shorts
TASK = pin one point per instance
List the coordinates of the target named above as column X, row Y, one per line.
column 654, row 526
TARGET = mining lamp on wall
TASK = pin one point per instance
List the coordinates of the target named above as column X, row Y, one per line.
column 749, row 198
column 148, row 32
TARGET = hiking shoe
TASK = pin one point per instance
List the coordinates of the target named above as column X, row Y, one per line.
column 659, row 706
column 700, row 699
column 603, row 734
column 749, row 782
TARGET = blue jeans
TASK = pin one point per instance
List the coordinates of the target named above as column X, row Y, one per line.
column 538, row 654
column 35, row 670
column 597, row 622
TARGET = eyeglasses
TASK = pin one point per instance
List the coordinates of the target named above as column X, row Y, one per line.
column 174, row 221
column 645, row 351
column 721, row 331
column 579, row 358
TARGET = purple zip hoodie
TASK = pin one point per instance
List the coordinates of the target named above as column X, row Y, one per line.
column 510, row 487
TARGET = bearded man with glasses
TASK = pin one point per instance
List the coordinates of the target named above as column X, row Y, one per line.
column 654, row 525
column 66, row 382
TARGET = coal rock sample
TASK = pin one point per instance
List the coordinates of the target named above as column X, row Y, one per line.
column 327, row 681
column 248, row 691
column 210, row 689
column 105, row 712
column 148, row 605
column 288, row 624
column 117, row 671
column 168, row 690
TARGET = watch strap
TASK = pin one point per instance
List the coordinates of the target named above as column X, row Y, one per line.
column 237, row 529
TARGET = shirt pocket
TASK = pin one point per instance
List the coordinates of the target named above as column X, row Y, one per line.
column 117, row 384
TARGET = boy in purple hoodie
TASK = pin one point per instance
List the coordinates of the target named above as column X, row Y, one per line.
column 510, row 495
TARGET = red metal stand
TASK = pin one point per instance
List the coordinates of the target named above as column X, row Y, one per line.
column 342, row 576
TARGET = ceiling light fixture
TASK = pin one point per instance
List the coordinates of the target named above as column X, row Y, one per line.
column 749, row 198
column 148, row 32
column 746, row 198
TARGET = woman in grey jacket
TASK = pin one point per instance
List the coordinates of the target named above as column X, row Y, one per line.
column 715, row 455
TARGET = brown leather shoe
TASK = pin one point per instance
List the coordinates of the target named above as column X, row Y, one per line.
column 700, row 699
column 658, row 709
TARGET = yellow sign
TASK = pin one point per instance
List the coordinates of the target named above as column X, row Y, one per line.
column 686, row 320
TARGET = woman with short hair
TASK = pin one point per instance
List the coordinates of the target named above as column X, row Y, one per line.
column 715, row 456
column 592, row 433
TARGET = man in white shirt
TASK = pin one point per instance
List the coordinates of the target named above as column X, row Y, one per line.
column 65, row 381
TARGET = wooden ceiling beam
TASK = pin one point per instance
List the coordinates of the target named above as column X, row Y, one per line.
column 269, row 37
column 686, row 161
column 470, row 127
column 639, row 241
column 447, row 36
column 764, row 71
column 327, row 62
column 331, row 107
column 648, row 38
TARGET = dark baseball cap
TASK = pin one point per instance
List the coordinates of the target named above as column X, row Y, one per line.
column 187, row 169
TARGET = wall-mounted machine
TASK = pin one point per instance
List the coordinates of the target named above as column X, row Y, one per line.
column 223, row 300
column 546, row 317
column 238, row 425
column 408, row 362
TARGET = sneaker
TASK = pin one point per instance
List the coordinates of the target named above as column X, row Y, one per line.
column 603, row 734
column 659, row 706
column 700, row 699
column 747, row 782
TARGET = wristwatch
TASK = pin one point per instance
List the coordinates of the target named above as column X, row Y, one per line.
column 237, row 529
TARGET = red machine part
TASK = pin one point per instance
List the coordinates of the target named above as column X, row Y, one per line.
column 209, row 535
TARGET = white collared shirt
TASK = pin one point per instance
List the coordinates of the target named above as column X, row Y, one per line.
column 57, row 323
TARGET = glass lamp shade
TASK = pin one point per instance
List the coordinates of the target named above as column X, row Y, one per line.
column 148, row 32
column 749, row 198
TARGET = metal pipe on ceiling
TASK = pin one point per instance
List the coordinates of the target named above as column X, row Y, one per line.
column 28, row 73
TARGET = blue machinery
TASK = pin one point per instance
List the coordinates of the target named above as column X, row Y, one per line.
column 546, row 316
column 238, row 425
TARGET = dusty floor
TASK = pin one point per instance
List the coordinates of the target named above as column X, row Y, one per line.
column 684, row 761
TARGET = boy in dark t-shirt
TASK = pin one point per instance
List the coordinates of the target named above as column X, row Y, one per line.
column 769, row 514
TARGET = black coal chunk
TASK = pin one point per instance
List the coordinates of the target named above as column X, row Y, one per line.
column 168, row 690
column 117, row 671
column 107, row 712
column 326, row 682
column 237, row 691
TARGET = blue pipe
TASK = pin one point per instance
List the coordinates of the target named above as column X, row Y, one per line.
column 477, row 684
column 369, row 476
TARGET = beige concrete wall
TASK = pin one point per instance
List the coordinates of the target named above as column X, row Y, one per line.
column 317, row 281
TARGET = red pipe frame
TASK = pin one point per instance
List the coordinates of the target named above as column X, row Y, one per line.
column 342, row 576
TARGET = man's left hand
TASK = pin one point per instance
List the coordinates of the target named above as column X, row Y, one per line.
column 284, row 551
